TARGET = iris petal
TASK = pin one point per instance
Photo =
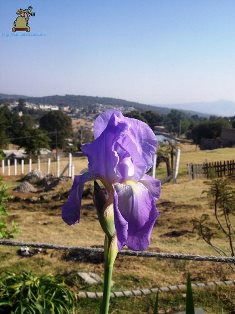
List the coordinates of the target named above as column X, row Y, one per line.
column 140, row 142
column 135, row 215
column 121, row 225
column 102, row 121
column 101, row 153
column 153, row 185
column 71, row 209
column 136, row 140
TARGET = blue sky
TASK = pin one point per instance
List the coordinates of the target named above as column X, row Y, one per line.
column 151, row 51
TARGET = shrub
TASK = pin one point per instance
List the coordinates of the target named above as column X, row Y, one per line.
column 5, row 231
column 27, row 293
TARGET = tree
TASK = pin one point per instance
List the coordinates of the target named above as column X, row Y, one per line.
column 59, row 127
column 152, row 118
column 233, row 122
column 173, row 121
column 21, row 105
column 208, row 129
column 149, row 117
column 34, row 141
column 136, row 115
column 5, row 122
column 20, row 128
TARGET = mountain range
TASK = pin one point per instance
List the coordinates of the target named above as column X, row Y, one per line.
column 204, row 109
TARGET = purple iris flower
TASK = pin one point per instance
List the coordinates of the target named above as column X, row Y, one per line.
column 120, row 156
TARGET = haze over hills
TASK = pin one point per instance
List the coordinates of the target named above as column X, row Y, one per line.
column 223, row 108
column 205, row 109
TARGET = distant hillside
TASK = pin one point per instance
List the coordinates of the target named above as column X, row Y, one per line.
column 83, row 101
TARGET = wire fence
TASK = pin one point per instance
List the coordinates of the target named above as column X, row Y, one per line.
column 177, row 256
column 142, row 291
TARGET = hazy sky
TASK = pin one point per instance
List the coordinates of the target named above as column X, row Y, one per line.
column 151, row 51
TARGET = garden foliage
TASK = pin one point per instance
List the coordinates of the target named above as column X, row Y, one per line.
column 5, row 231
column 26, row 293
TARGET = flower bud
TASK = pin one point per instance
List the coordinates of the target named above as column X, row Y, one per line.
column 104, row 210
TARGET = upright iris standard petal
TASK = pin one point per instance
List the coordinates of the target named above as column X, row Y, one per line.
column 120, row 142
column 102, row 157
column 102, row 121
column 135, row 215
column 71, row 209
column 140, row 142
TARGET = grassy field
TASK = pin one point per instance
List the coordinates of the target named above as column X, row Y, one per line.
column 180, row 203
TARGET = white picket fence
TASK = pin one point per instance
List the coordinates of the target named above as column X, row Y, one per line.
column 60, row 167
column 57, row 168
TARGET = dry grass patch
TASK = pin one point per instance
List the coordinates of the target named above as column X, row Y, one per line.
column 179, row 204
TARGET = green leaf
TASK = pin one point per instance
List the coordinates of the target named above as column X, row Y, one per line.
column 155, row 311
column 189, row 297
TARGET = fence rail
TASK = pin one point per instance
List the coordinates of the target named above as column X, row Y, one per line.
column 211, row 169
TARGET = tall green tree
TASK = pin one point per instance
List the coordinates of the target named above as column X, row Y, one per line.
column 152, row 118
column 20, row 128
column 34, row 141
column 5, row 123
column 59, row 127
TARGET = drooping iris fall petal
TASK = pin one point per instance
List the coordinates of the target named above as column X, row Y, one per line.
column 135, row 214
column 153, row 185
column 71, row 209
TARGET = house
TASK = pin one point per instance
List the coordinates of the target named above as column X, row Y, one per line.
column 14, row 154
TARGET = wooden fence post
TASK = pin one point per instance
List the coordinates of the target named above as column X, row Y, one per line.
column 15, row 166
column 176, row 165
column 39, row 164
column 58, row 166
column 9, row 166
column 3, row 167
column 30, row 165
column 48, row 165
column 70, row 166
column 22, row 166
column 72, row 172
column 154, row 165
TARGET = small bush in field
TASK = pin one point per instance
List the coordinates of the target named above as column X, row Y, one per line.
column 26, row 293
column 221, row 196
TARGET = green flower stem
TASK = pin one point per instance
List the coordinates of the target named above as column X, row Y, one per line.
column 105, row 212
column 110, row 253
